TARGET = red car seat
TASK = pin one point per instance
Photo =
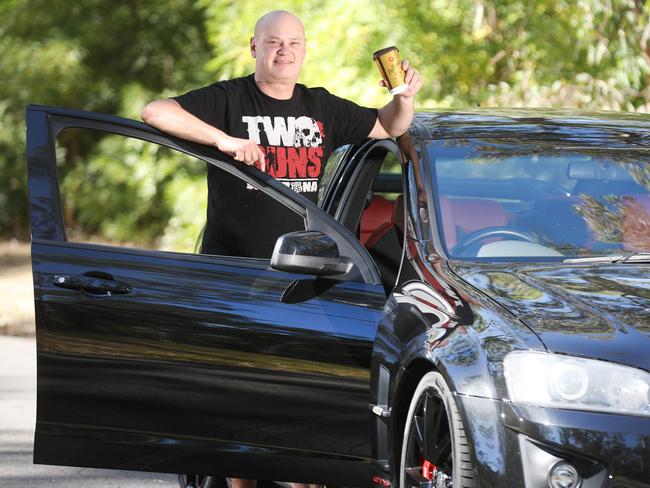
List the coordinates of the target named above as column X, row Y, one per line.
column 378, row 214
column 385, row 244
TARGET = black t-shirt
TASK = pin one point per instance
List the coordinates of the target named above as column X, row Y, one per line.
column 297, row 137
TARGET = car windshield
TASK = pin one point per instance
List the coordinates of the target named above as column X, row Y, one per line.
column 537, row 200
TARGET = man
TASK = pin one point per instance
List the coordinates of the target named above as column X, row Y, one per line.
column 268, row 120
column 284, row 128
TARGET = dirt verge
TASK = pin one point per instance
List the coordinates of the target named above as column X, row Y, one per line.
column 16, row 289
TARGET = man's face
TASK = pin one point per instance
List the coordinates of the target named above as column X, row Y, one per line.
column 279, row 49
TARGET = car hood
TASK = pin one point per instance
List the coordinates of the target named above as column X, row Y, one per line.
column 599, row 311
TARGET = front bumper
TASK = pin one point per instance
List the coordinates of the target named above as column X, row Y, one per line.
column 515, row 446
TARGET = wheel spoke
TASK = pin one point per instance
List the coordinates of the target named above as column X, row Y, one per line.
column 432, row 414
column 429, row 454
column 420, row 432
column 184, row 481
column 442, row 454
column 190, row 481
column 436, row 429
column 433, row 440
column 428, row 450
column 426, row 400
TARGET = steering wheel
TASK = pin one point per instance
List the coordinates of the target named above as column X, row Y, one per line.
column 489, row 232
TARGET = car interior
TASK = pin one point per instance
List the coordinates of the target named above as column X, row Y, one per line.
column 495, row 218
column 381, row 231
column 372, row 207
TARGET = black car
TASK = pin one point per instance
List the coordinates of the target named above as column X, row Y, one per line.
column 467, row 306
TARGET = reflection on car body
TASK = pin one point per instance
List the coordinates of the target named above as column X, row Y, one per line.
column 482, row 321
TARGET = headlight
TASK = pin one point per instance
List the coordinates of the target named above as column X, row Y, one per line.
column 554, row 380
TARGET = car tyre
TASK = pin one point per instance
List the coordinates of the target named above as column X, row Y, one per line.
column 434, row 439
column 199, row 481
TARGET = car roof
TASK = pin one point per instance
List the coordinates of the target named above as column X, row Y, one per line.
column 618, row 129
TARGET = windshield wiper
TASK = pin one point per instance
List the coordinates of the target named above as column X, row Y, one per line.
column 634, row 257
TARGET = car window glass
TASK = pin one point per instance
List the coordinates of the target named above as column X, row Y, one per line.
column 124, row 191
column 333, row 164
column 388, row 182
column 497, row 201
column 381, row 226
column 391, row 164
column 385, row 187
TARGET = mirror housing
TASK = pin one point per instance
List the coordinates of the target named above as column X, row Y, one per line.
column 309, row 252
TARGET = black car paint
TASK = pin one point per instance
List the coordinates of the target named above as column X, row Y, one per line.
column 598, row 311
column 473, row 346
column 442, row 315
column 591, row 311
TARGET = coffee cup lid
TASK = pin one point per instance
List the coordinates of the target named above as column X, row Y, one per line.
column 384, row 51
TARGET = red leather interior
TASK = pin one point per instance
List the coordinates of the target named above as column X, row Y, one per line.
column 394, row 219
column 398, row 215
column 379, row 232
column 379, row 212
column 464, row 216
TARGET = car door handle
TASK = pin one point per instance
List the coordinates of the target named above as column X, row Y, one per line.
column 96, row 285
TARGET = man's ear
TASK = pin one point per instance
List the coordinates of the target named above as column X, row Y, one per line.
column 252, row 46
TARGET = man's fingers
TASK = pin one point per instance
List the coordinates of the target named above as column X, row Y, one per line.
column 416, row 83
column 412, row 79
column 409, row 76
column 261, row 159
column 405, row 64
column 250, row 158
column 248, row 152
column 260, row 153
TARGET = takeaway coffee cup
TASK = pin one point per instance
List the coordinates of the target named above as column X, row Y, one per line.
column 390, row 67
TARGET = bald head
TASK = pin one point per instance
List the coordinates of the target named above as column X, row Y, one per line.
column 279, row 48
column 278, row 16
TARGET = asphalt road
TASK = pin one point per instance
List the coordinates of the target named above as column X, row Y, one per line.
column 17, row 417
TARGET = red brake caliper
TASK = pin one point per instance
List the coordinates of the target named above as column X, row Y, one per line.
column 428, row 470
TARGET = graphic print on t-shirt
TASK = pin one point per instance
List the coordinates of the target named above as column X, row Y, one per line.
column 293, row 147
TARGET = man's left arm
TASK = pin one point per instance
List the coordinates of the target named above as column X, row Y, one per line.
column 395, row 118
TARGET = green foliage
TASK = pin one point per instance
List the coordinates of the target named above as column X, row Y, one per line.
column 113, row 57
column 130, row 191
column 94, row 55
column 585, row 53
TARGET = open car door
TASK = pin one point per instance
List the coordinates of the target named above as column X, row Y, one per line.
column 178, row 362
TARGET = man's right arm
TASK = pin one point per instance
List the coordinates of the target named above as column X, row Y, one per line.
column 168, row 116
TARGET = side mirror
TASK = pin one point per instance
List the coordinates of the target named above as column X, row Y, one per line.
column 309, row 252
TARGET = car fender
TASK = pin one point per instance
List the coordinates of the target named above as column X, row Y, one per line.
column 421, row 331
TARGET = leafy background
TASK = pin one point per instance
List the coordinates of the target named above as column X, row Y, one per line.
column 114, row 57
